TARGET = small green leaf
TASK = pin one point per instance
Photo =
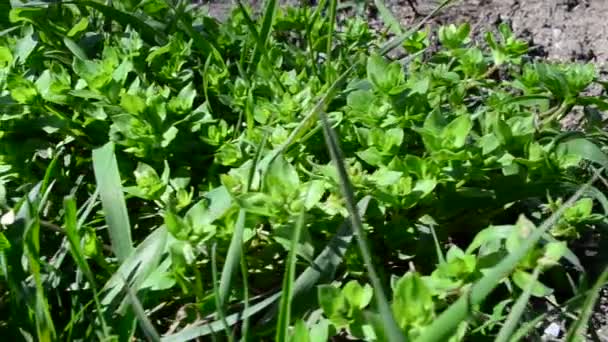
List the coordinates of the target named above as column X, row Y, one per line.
column 182, row 103
column 522, row 279
column 356, row 295
column 333, row 303
column 79, row 27
column 455, row 133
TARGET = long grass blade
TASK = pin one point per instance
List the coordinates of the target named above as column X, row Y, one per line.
column 389, row 19
column 71, row 231
column 282, row 333
column 113, row 200
column 45, row 327
column 447, row 322
column 267, row 22
column 397, row 41
column 390, row 325
column 137, row 267
column 144, row 322
column 232, row 259
column 219, row 305
column 517, row 310
column 333, row 4
column 577, row 331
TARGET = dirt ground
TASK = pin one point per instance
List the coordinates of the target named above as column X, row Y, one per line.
column 562, row 29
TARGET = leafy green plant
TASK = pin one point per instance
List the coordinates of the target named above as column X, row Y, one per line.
column 167, row 176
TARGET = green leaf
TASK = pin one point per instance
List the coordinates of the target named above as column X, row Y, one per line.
column 356, row 295
column 386, row 78
column 281, row 179
column 112, row 199
column 412, row 302
column 133, row 104
column 182, row 103
column 583, row 148
column 523, row 279
column 79, row 27
column 455, row 133
column 333, row 303
column 300, row 332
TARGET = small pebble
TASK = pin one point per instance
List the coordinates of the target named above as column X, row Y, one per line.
column 553, row 330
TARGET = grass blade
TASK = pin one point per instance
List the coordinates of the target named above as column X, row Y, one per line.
column 71, row 231
column 219, row 305
column 144, row 322
column 389, row 19
column 45, row 327
column 397, row 41
column 138, row 266
column 232, row 259
column 578, row 329
column 282, row 334
column 269, row 13
column 390, row 325
column 333, row 4
column 517, row 310
column 235, row 252
column 113, row 200
column 447, row 322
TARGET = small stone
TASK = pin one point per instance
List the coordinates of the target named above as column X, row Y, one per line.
column 553, row 330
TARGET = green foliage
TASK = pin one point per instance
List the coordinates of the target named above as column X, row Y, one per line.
column 199, row 177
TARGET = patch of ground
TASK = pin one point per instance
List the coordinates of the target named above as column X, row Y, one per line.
column 562, row 29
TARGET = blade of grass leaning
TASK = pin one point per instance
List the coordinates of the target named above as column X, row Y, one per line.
column 282, row 333
column 579, row 327
column 333, row 4
column 45, row 328
column 267, row 22
column 113, row 200
column 391, row 328
column 232, row 258
column 144, row 322
column 524, row 330
column 397, row 41
column 389, row 19
column 246, row 299
column 236, row 242
column 324, row 265
column 71, row 231
column 244, row 268
column 446, row 323
column 517, row 310
column 219, row 305
column 309, row 26
column 137, row 267
column 260, row 44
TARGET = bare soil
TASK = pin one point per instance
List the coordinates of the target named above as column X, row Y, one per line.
column 563, row 30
